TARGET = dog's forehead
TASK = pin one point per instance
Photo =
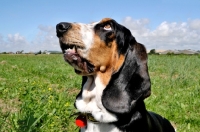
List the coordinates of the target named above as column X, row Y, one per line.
column 104, row 20
column 93, row 24
column 89, row 25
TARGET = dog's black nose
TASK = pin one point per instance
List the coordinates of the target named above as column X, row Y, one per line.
column 62, row 28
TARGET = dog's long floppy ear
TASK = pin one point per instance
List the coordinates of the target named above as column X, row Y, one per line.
column 132, row 81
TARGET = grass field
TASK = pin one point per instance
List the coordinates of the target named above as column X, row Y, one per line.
column 37, row 92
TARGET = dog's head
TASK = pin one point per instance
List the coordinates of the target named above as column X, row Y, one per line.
column 106, row 50
column 96, row 47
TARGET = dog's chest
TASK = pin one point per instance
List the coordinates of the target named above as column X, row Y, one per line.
column 100, row 127
column 90, row 101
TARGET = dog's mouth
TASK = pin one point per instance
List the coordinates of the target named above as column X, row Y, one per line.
column 80, row 64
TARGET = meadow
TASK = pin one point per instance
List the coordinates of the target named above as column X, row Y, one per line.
column 37, row 92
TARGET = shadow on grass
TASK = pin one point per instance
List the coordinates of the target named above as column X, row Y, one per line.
column 30, row 123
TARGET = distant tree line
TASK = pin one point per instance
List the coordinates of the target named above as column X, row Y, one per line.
column 153, row 52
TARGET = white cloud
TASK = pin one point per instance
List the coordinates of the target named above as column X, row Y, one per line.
column 167, row 35
column 45, row 39
column 195, row 24
column 138, row 27
column 184, row 35
column 13, row 42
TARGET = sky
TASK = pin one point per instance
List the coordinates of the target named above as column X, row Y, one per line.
column 29, row 25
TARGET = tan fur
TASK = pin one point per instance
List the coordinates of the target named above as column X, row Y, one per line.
column 105, row 57
column 73, row 36
column 105, row 20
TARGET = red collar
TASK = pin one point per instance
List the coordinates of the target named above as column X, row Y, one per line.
column 81, row 120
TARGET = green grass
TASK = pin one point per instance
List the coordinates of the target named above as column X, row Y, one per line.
column 176, row 90
column 37, row 92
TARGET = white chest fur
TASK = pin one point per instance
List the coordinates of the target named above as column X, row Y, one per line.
column 99, row 127
column 90, row 101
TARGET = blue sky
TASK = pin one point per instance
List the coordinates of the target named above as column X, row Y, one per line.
column 160, row 24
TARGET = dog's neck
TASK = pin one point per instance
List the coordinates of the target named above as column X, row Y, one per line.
column 100, row 127
column 131, row 121
column 89, row 100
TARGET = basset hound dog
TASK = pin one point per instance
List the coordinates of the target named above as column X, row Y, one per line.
column 115, row 78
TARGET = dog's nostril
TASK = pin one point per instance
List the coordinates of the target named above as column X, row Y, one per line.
column 62, row 27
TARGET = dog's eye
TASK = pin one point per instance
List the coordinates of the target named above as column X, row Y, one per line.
column 107, row 27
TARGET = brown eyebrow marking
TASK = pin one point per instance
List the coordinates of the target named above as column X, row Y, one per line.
column 105, row 20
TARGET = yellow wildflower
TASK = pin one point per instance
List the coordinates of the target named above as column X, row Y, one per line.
column 50, row 89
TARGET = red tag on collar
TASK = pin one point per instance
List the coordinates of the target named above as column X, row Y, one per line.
column 81, row 121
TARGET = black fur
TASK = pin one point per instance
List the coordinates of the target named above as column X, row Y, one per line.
column 130, row 85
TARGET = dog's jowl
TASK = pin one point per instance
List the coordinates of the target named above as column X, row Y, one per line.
column 115, row 78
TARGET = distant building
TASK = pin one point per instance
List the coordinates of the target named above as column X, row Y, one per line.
column 46, row 52
column 188, row 52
